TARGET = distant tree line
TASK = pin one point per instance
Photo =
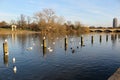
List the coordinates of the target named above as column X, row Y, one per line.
column 46, row 21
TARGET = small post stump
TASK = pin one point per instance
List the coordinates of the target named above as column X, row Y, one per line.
column 92, row 39
column 66, row 43
column 82, row 41
column 100, row 38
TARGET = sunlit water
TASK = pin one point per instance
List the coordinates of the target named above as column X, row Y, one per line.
column 95, row 60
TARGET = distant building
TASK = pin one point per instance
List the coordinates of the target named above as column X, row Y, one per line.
column 114, row 22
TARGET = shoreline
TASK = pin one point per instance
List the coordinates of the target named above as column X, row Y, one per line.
column 8, row 31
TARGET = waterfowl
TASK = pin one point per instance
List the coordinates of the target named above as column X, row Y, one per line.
column 14, row 69
column 13, row 60
column 30, row 48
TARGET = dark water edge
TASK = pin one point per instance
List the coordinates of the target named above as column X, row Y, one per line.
column 95, row 60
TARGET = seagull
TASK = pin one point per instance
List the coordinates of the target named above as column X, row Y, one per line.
column 41, row 44
column 13, row 60
column 50, row 50
column 44, row 37
column 30, row 48
column 14, row 69
column 5, row 40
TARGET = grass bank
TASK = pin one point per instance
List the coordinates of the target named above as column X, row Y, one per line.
column 9, row 31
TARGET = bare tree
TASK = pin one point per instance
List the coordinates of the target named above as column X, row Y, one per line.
column 28, row 21
column 69, row 23
column 60, row 20
column 22, row 21
column 12, row 22
column 45, row 18
column 48, row 15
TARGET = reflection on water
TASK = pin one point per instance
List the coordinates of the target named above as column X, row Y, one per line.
column 14, row 36
column 100, row 38
column 5, row 58
column 96, row 57
column 106, row 38
column 44, row 51
column 92, row 40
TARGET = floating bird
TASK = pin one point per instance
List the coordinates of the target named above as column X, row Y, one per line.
column 13, row 60
column 44, row 37
column 5, row 40
column 14, row 69
column 73, row 51
column 50, row 50
column 30, row 48
column 77, row 47
column 41, row 44
column 53, row 42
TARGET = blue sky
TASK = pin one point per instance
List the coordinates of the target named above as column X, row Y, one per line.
column 88, row 12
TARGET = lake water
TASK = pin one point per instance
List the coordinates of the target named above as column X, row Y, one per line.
column 96, row 60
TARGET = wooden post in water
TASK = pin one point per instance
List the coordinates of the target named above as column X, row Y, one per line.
column 82, row 40
column 100, row 38
column 44, row 43
column 44, row 46
column 92, row 39
column 66, row 43
column 5, row 48
column 115, row 36
column 106, row 38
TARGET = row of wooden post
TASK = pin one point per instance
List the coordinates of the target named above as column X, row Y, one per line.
column 66, row 41
column 5, row 44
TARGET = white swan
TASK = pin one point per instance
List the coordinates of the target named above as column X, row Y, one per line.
column 13, row 60
column 14, row 69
